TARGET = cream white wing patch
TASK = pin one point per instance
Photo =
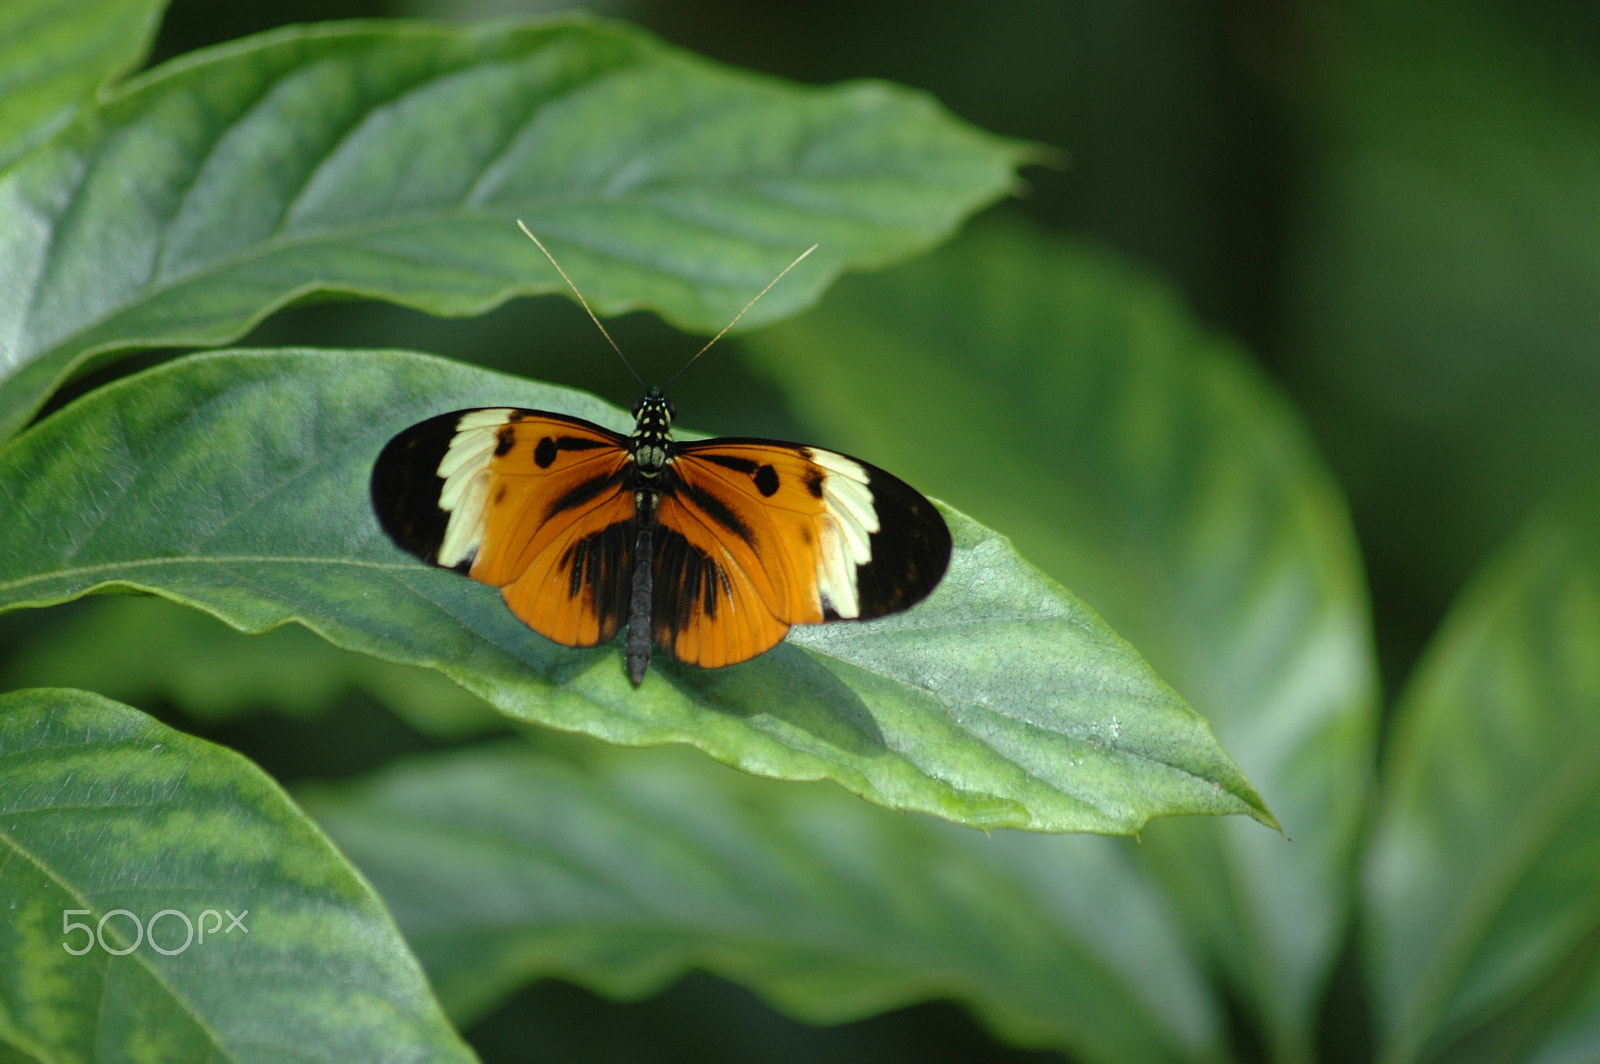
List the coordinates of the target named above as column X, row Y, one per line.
column 465, row 471
column 848, row 523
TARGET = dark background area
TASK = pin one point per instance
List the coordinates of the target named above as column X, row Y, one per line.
column 1397, row 212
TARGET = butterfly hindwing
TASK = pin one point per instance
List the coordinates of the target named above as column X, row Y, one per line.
column 534, row 503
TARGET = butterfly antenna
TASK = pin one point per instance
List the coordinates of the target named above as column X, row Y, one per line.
column 585, row 302
column 741, row 314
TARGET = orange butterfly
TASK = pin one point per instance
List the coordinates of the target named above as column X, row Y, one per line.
column 711, row 549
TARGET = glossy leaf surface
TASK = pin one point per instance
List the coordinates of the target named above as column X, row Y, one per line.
column 53, row 56
column 393, row 160
column 108, row 821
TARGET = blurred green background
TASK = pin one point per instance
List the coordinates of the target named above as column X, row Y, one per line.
column 1396, row 206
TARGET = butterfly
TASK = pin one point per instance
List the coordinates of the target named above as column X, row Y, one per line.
column 710, row 549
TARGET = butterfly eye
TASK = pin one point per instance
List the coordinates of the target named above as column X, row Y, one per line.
column 672, row 410
column 638, row 405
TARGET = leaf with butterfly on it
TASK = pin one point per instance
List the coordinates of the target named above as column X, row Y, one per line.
column 391, row 160
column 237, row 482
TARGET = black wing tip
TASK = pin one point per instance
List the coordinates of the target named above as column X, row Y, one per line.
column 405, row 486
column 910, row 551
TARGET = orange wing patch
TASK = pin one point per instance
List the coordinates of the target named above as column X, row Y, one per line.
column 727, row 575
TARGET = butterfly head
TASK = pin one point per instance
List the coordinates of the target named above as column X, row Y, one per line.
column 655, row 408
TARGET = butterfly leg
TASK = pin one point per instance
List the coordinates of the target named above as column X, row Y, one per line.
column 639, row 609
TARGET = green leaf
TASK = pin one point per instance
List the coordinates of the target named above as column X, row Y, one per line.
column 102, row 809
column 53, row 56
column 140, row 649
column 237, row 483
column 1060, row 395
column 623, row 871
column 392, row 161
column 1486, row 851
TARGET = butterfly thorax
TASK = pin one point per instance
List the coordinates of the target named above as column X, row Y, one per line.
column 651, row 442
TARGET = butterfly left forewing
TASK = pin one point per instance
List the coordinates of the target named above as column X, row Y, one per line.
column 531, row 502
column 775, row 534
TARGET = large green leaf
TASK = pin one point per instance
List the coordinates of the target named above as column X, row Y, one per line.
column 1143, row 462
column 1486, row 853
column 237, row 482
column 391, row 160
column 53, row 56
column 108, row 818
column 624, row 872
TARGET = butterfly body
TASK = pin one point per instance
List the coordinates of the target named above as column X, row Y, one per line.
column 710, row 549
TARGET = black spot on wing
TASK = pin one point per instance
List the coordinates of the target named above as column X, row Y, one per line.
column 763, row 475
column 548, row 448
column 405, row 487
column 766, row 479
column 814, row 478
